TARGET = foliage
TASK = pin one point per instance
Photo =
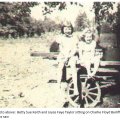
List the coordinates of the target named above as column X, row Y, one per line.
column 50, row 6
column 15, row 18
column 106, row 28
column 54, row 47
column 81, row 22
column 102, row 11
column 12, row 12
column 50, row 25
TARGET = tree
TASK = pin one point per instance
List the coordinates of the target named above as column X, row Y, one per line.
column 50, row 25
column 102, row 13
column 81, row 22
column 14, row 17
column 50, row 6
column 117, row 26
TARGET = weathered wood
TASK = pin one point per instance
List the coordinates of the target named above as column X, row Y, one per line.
column 109, row 63
column 107, row 85
column 44, row 55
column 107, row 70
column 85, row 76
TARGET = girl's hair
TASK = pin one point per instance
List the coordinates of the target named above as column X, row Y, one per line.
column 62, row 28
column 87, row 31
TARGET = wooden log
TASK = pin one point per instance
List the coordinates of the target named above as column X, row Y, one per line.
column 106, row 70
column 103, row 77
column 109, row 63
column 44, row 55
column 107, row 85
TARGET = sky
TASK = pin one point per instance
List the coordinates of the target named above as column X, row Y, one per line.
column 66, row 15
column 70, row 14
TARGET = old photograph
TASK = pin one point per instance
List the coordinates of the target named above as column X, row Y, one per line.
column 59, row 54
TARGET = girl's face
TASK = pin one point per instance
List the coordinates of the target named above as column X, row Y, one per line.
column 67, row 30
column 88, row 38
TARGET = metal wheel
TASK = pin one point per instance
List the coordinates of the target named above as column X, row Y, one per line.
column 90, row 93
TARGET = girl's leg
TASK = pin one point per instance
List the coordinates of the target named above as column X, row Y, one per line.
column 88, row 67
column 96, row 63
column 59, row 71
column 60, row 61
column 72, row 63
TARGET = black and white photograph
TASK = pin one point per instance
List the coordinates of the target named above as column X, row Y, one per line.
column 59, row 54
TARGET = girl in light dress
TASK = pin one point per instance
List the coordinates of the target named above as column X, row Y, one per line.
column 87, row 53
column 69, row 45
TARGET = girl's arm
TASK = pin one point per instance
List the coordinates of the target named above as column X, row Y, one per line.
column 93, row 49
column 96, row 61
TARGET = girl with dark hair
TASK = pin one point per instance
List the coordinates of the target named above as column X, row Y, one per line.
column 67, row 46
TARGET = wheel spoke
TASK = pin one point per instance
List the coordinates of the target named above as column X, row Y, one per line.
column 91, row 93
column 88, row 85
column 72, row 95
column 92, row 89
column 86, row 101
column 70, row 83
column 90, row 98
column 76, row 99
column 71, row 89
column 84, row 83
column 86, row 80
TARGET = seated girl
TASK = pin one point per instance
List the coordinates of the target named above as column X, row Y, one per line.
column 86, row 48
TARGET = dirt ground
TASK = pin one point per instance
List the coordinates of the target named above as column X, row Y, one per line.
column 24, row 79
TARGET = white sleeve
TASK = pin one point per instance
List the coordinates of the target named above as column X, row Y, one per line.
column 80, row 49
column 93, row 48
column 57, row 39
column 80, row 45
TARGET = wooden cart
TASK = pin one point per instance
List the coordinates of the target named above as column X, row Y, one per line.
column 89, row 89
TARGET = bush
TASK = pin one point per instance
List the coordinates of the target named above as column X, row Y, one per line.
column 106, row 28
column 54, row 47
